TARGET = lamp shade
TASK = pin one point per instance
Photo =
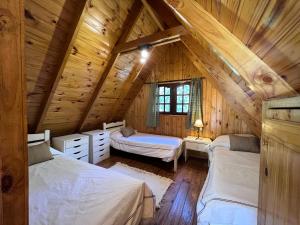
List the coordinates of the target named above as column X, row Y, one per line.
column 198, row 123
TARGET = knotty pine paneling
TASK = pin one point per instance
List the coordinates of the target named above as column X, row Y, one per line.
column 271, row 29
column 218, row 117
column 96, row 38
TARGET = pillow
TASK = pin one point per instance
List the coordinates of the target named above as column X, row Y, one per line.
column 127, row 131
column 224, row 141
column 244, row 143
column 39, row 153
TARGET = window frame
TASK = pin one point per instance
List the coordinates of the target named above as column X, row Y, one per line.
column 173, row 97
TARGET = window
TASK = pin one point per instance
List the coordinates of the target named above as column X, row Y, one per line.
column 174, row 98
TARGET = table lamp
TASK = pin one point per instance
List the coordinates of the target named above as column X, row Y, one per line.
column 199, row 125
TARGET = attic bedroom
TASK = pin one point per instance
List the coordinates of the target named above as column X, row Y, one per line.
column 150, row 112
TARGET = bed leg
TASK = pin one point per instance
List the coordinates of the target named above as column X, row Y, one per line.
column 175, row 164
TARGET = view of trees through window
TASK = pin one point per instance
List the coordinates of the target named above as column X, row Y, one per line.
column 174, row 98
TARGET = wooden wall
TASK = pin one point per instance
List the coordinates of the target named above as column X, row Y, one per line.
column 219, row 118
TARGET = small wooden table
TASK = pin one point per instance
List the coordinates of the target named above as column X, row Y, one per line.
column 196, row 144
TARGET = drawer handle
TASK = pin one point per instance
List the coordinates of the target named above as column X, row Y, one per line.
column 101, row 145
column 101, row 155
column 77, row 146
column 77, row 152
column 101, row 134
column 101, row 139
column 78, row 139
column 101, row 150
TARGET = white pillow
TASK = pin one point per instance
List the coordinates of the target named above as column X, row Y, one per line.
column 224, row 141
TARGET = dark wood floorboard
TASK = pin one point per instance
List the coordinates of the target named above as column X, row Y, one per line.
column 178, row 206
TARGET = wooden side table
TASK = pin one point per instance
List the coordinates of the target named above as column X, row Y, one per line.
column 195, row 144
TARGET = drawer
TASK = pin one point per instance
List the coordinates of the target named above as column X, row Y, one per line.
column 106, row 149
column 101, row 135
column 196, row 146
column 77, row 148
column 100, row 146
column 79, row 154
column 84, row 158
column 76, row 142
column 100, row 156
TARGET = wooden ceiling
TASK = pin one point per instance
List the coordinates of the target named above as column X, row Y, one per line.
column 76, row 79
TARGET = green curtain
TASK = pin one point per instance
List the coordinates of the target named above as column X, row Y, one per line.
column 195, row 107
column 153, row 110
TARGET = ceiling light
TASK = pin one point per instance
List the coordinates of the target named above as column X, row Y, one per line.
column 144, row 53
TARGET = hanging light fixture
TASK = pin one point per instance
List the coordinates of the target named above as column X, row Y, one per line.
column 144, row 53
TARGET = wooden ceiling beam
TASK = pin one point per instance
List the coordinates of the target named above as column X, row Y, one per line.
column 160, row 38
column 153, row 15
column 231, row 91
column 259, row 76
column 128, row 25
column 63, row 58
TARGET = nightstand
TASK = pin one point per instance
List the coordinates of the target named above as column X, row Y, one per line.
column 99, row 145
column 74, row 145
column 195, row 144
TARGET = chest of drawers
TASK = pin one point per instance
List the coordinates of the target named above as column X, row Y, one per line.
column 74, row 145
column 99, row 145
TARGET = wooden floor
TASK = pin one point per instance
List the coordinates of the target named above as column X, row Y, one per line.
column 178, row 206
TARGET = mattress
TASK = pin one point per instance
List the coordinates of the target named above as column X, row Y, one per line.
column 70, row 192
column 158, row 146
column 230, row 192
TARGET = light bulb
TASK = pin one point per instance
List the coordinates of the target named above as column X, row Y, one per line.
column 143, row 60
column 145, row 53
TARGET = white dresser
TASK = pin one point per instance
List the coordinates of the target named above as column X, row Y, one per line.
column 99, row 145
column 74, row 145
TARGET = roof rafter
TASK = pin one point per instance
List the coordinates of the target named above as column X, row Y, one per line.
column 160, row 38
column 230, row 90
column 128, row 25
column 65, row 53
column 259, row 76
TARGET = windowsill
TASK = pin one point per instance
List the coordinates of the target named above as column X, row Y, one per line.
column 171, row 115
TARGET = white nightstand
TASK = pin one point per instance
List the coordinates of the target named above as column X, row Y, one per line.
column 195, row 144
column 99, row 145
column 74, row 145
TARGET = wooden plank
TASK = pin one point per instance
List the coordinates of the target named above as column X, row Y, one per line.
column 65, row 53
column 153, row 14
column 161, row 38
column 128, row 25
column 231, row 91
column 13, row 124
column 260, row 77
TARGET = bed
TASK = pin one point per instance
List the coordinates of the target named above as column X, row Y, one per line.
column 230, row 193
column 71, row 192
column 166, row 148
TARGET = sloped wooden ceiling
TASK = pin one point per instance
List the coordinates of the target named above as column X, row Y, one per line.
column 69, row 51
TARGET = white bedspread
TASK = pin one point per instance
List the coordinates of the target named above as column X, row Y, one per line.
column 152, row 145
column 64, row 191
column 230, row 193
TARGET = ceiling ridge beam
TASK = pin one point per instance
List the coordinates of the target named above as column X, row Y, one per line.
column 153, row 15
column 231, row 91
column 128, row 25
column 259, row 76
column 160, row 38
column 66, row 51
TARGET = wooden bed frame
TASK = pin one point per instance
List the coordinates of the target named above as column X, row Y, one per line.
column 116, row 126
column 35, row 139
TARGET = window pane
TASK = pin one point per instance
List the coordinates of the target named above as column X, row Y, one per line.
column 179, row 99
column 186, row 99
column 161, row 108
column 185, row 108
column 167, row 107
column 161, row 99
column 167, row 99
column 161, row 91
column 186, row 89
column 179, row 90
column 179, row 108
column 167, row 91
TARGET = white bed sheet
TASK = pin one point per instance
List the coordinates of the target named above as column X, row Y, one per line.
column 230, row 192
column 64, row 191
column 158, row 146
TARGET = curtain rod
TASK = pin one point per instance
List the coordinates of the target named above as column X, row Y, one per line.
column 173, row 81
